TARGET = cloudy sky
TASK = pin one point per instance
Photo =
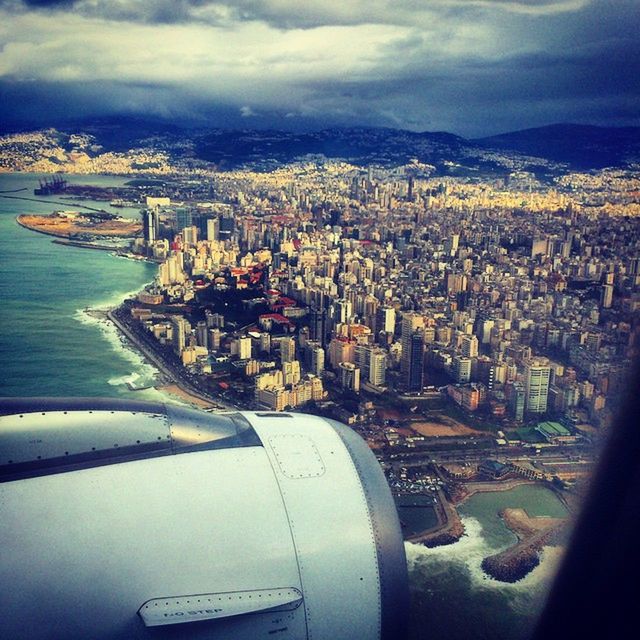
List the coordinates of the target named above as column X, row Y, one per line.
column 472, row 67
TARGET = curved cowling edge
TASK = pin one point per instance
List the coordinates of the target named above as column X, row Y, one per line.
column 41, row 436
column 392, row 562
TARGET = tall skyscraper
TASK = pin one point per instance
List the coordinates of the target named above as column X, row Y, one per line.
column 181, row 328
column 349, row 376
column 386, row 319
column 202, row 337
column 265, row 342
column 213, row 229
column 183, row 218
column 410, row 188
column 190, row 235
column 537, row 376
column 151, row 225
column 215, row 335
column 342, row 311
column 410, row 323
column 317, row 360
column 415, row 376
column 462, row 369
column 378, row 367
column 318, row 325
column 517, row 401
column 362, row 354
column 244, row 348
column 606, row 296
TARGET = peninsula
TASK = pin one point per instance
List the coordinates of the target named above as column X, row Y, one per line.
column 81, row 226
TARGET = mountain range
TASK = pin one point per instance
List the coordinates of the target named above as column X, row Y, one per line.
column 542, row 150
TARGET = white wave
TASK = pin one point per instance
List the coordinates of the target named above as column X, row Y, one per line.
column 132, row 378
column 469, row 551
column 143, row 372
column 117, row 298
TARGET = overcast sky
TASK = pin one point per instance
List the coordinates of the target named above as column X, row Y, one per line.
column 472, row 67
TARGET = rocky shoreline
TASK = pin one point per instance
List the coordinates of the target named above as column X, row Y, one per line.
column 448, row 530
column 514, row 563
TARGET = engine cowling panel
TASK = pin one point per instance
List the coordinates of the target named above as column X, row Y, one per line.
column 245, row 525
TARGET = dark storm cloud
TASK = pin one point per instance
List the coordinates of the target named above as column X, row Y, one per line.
column 470, row 66
column 287, row 14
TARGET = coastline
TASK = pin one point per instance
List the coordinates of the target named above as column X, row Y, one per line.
column 448, row 530
column 173, row 384
column 514, row 563
column 509, row 565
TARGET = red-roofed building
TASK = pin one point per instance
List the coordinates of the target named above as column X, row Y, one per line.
column 267, row 320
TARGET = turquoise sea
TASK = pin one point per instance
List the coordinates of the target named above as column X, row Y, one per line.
column 50, row 346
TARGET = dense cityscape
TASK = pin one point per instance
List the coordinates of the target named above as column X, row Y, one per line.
column 514, row 299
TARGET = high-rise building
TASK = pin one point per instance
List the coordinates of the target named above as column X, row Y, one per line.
column 411, row 322
column 342, row 311
column 362, row 356
column 215, row 335
column 244, row 348
column 213, row 229
column 201, row 334
column 265, row 342
column 451, row 244
column 462, row 369
column 537, row 376
column 291, row 372
column 349, row 376
column 539, row 246
column 214, row 320
column 378, row 367
column 227, row 227
column 151, row 225
column 287, row 349
column 456, row 282
column 517, row 401
column 386, row 319
column 341, row 350
column 183, row 218
column 181, row 329
column 469, row 346
column 317, row 325
column 316, row 360
column 190, row 235
column 606, row 296
column 415, row 372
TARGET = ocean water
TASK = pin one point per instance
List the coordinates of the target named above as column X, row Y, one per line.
column 452, row 597
column 50, row 346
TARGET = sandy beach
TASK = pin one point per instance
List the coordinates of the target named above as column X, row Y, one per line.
column 185, row 396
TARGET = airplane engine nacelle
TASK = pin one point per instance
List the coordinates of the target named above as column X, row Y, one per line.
column 138, row 520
